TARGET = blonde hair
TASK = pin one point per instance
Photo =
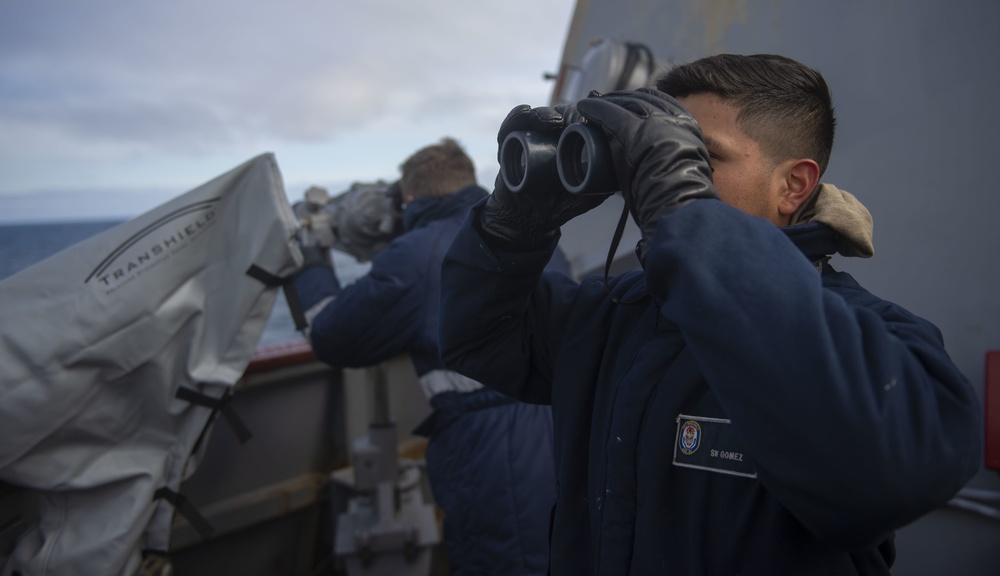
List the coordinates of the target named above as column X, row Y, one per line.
column 437, row 170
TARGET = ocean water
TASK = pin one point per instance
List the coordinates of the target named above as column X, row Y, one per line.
column 23, row 245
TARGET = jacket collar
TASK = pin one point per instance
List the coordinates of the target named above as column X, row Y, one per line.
column 816, row 240
column 426, row 209
column 846, row 218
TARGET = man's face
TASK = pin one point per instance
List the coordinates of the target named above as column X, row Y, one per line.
column 743, row 176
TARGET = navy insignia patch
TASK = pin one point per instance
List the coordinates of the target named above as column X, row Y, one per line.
column 690, row 437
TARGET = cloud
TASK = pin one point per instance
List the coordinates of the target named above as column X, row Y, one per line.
column 149, row 70
column 99, row 92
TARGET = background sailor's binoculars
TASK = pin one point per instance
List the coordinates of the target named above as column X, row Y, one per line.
column 579, row 161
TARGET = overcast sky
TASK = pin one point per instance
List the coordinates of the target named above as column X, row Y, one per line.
column 110, row 107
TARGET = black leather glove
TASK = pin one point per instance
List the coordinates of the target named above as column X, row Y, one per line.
column 660, row 158
column 532, row 217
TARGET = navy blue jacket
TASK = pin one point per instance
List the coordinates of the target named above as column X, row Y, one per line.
column 729, row 410
column 394, row 308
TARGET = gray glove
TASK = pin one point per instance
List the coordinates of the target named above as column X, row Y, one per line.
column 314, row 234
column 660, row 158
column 532, row 217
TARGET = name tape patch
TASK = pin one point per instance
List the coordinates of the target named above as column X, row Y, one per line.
column 710, row 444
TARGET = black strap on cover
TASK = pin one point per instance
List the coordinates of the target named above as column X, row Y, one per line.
column 218, row 405
column 291, row 296
column 187, row 510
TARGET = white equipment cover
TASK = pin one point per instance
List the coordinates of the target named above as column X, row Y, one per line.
column 96, row 342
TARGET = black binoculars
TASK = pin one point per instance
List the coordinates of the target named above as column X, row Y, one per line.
column 579, row 161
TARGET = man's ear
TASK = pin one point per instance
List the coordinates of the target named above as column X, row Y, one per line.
column 801, row 179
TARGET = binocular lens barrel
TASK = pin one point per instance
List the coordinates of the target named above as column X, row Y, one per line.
column 579, row 162
column 584, row 161
column 525, row 157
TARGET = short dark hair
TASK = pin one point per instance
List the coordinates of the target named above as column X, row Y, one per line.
column 784, row 105
column 437, row 170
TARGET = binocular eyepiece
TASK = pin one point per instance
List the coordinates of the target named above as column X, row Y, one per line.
column 579, row 161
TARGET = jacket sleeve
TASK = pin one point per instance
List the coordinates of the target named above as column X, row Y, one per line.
column 851, row 409
column 376, row 317
column 498, row 311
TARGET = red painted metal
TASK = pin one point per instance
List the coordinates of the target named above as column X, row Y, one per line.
column 992, row 410
column 279, row 355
